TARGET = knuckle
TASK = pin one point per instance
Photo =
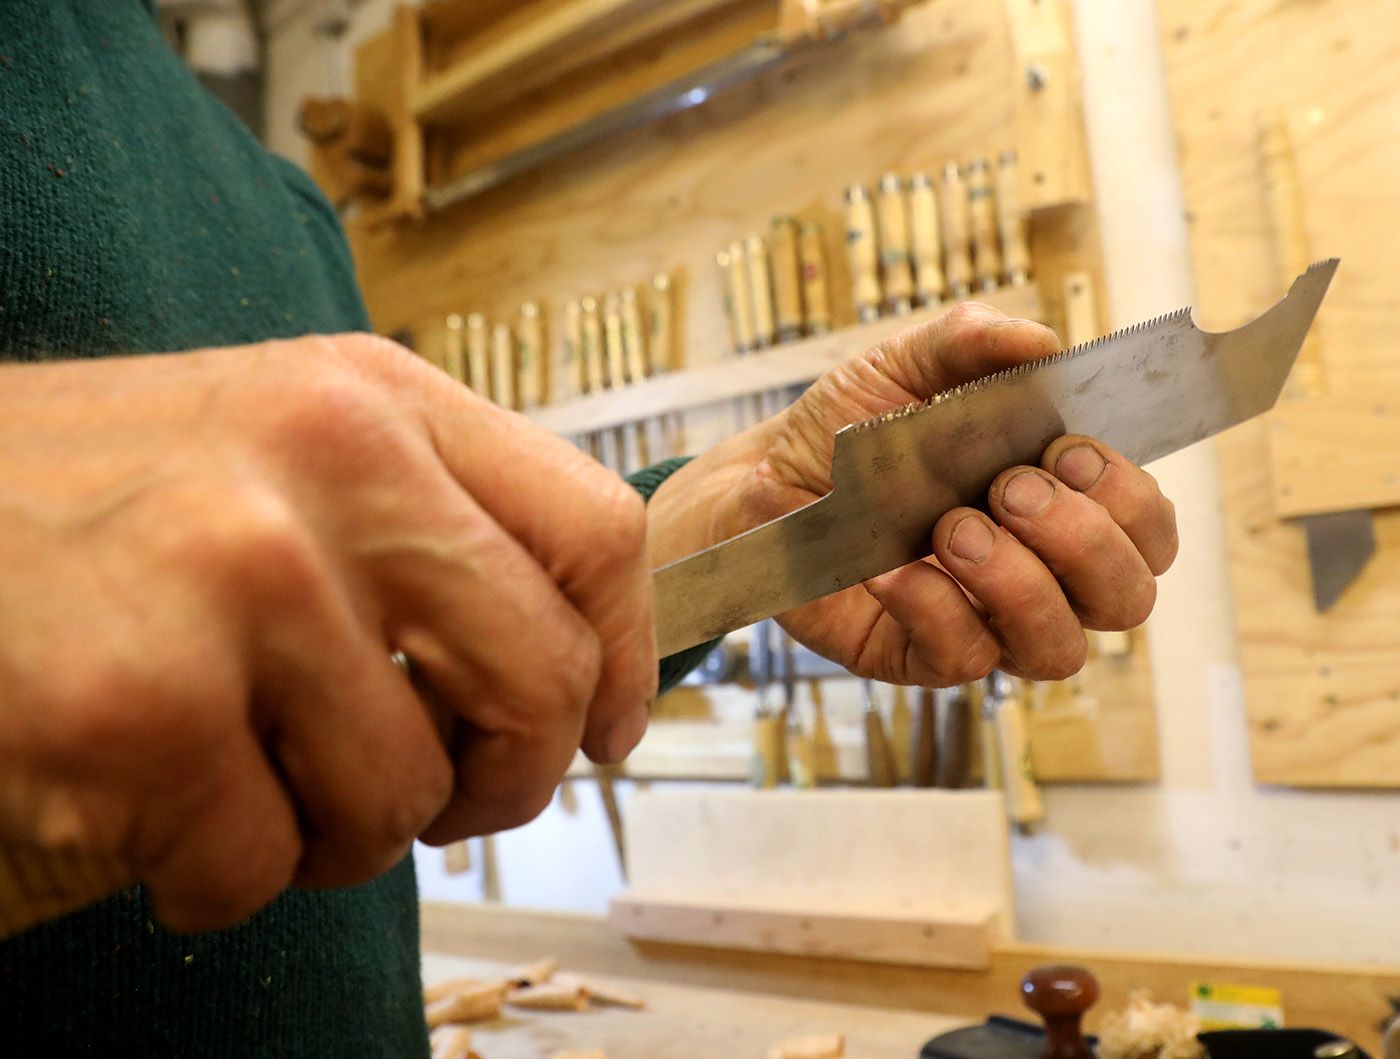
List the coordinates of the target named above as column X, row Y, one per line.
column 621, row 521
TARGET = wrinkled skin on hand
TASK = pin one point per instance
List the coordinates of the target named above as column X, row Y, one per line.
column 205, row 562
column 1075, row 543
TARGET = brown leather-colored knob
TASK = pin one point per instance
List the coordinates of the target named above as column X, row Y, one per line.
column 1061, row 996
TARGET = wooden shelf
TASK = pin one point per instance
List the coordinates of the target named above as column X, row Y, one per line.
column 793, row 364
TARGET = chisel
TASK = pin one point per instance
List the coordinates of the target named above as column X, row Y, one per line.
column 661, row 345
column 925, row 240
column 615, row 375
column 957, row 233
column 503, row 366
column 787, row 279
column 479, row 355
column 1012, row 222
column 957, row 716
column 816, row 300
column 455, row 348
column 901, row 734
column 864, row 253
column 923, row 741
column 735, row 262
column 982, row 213
column 760, row 290
column 534, row 364
column 634, row 353
column 879, row 760
column 1008, row 712
column 896, row 271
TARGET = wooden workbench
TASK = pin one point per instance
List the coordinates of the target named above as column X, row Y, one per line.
column 688, row 1022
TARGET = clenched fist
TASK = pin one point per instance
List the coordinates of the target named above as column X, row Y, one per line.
column 206, row 560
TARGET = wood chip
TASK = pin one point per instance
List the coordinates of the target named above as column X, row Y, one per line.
column 457, row 986
column 551, row 997
column 820, row 1046
column 451, row 1042
column 481, row 1002
column 537, row 973
column 602, row 993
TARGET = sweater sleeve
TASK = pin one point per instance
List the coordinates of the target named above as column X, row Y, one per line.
column 673, row 668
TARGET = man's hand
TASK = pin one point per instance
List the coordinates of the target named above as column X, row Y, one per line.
column 1073, row 544
column 206, row 561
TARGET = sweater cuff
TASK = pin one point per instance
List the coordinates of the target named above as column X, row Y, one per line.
column 675, row 667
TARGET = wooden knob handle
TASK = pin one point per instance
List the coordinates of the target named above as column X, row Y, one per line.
column 1061, row 995
column 37, row 885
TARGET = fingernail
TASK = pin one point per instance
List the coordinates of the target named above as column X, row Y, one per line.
column 1029, row 493
column 1080, row 467
column 623, row 737
column 972, row 540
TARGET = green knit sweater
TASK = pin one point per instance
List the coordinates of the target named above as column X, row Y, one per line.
column 138, row 216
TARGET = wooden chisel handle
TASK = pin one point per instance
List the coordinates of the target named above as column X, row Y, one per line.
column 864, row 253
column 1023, row 802
column 926, row 244
column 787, row 279
column 1285, row 199
column 534, row 364
column 1012, row 222
column 982, row 211
column 879, row 760
column 479, row 355
column 923, row 747
column 957, row 232
column 816, row 299
column 895, row 268
column 760, row 289
column 454, row 358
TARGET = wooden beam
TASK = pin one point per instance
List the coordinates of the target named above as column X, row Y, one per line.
column 790, row 365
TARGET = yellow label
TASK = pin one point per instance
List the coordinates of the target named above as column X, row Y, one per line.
column 1222, row 1006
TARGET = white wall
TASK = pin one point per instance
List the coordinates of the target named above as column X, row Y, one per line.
column 1206, row 862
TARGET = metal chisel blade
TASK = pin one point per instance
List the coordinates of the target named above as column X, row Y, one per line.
column 1340, row 544
column 1147, row 391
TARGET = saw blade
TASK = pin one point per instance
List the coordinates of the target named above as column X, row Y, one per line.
column 1146, row 391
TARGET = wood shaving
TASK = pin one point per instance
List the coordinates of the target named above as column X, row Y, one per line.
column 551, row 997
column 1144, row 1030
column 601, row 992
column 820, row 1046
column 537, row 973
column 482, row 1001
column 572, row 1054
column 451, row 1042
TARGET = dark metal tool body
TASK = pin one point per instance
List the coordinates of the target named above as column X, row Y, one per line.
column 1147, row 391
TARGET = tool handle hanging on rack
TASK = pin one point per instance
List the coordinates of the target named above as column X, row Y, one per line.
column 896, row 272
column 957, row 232
column 479, row 355
column 575, row 363
column 923, row 741
column 986, row 253
column 925, row 241
column 760, row 289
column 1012, row 222
column 634, row 350
column 863, row 249
column 594, row 353
column 737, row 279
column 454, row 353
column 1008, row 714
column 879, row 759
column 787, row 278
column 816, row 298
column 503, row 366
column 534, row 364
